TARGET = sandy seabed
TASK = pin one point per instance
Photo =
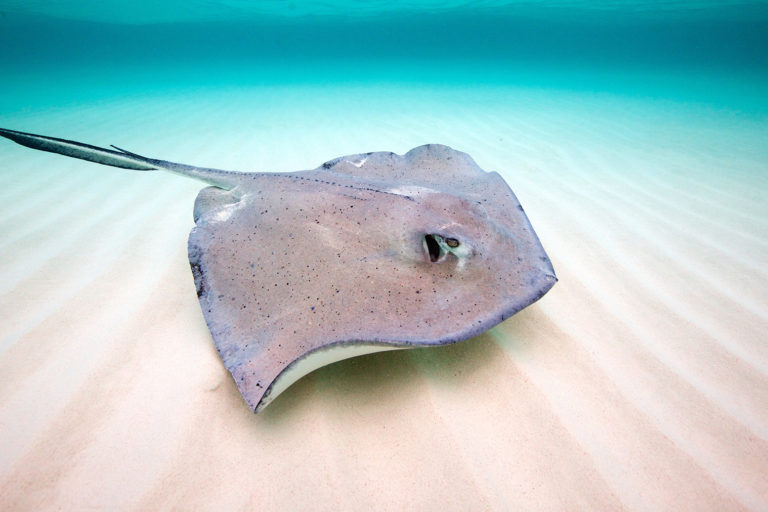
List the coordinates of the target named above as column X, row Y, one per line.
column 640, row 382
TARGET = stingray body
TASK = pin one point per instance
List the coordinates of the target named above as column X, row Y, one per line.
column 367, row 252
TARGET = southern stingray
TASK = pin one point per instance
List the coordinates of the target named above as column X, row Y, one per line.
column 368, row 252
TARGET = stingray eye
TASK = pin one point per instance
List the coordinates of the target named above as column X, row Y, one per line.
column 437, row 247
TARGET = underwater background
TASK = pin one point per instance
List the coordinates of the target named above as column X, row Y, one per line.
column 689, row 50
column 634, row 133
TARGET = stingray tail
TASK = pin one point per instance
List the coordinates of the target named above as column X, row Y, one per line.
column 121, row 158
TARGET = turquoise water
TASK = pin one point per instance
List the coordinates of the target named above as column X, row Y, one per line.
column 62, row 52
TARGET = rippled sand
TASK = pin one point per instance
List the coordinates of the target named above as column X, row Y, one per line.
column 640, row 382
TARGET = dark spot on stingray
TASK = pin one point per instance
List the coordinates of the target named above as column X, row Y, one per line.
column 197, row 274
column 331, row 163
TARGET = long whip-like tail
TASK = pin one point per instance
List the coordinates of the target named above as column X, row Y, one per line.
column 121, row 158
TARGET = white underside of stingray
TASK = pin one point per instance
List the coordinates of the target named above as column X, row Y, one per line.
column 317, row 359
